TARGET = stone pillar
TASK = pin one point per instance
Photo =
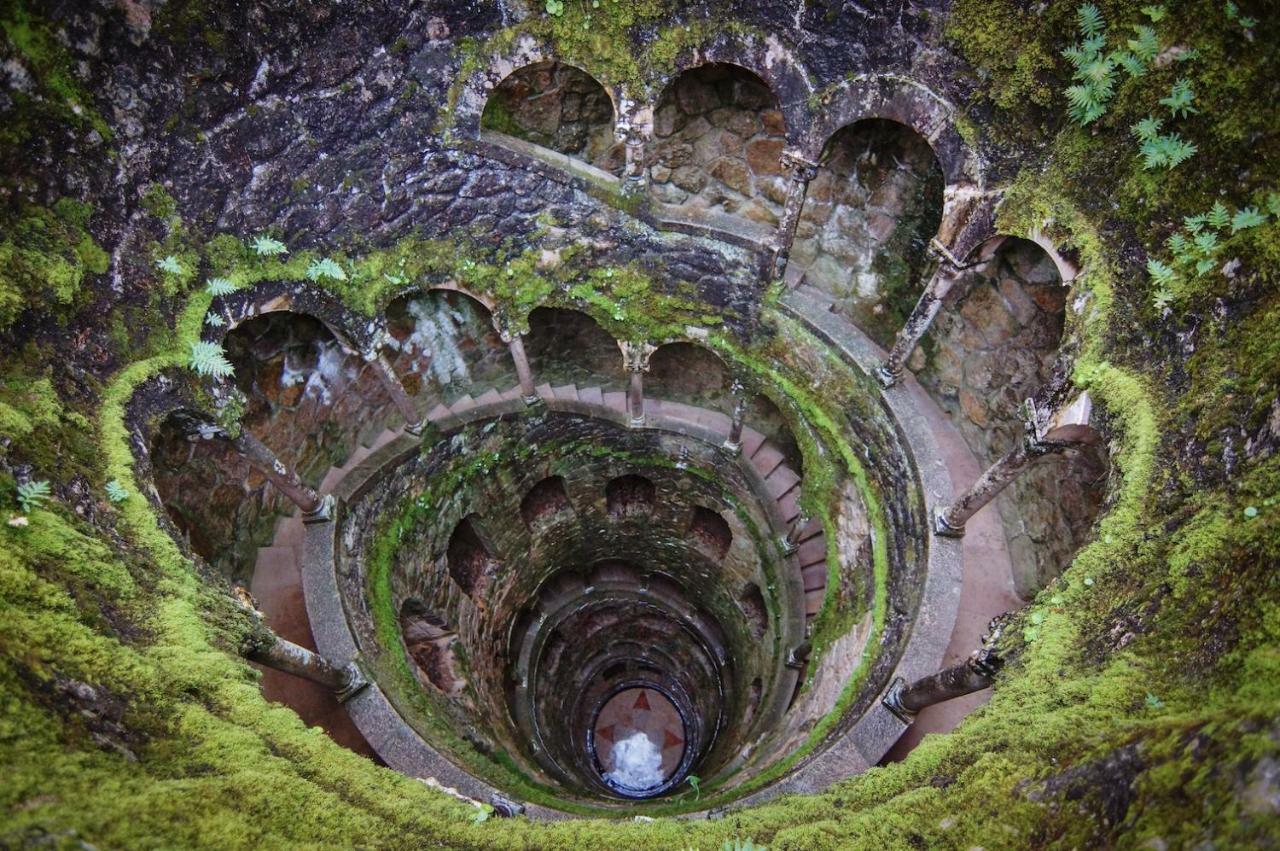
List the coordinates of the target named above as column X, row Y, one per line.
column 942, row 274
column 395, row 389
column 733, row 443
column 801, row 171
column 515, row 345
column 977, row 672
column 635, row 360
column 633, row 138
column 1046, row 432
column 315, row 508
column 275, row 652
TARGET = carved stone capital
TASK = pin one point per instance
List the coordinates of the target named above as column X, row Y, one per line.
column 798, row 166
column 635, row 356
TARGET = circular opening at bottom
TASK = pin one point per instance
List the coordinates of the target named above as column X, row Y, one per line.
column 639, row 742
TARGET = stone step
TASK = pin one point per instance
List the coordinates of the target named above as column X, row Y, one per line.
column 387, row 435
column 275, row 569
column 288, row 531
column 813, row 601
column 544, row 390
column 812, row 529
column 752, row 440
column 789, row 506
column 566, row 392
column 781, row 481
column 331, row 479
column 489, row 397
column 813, row 551
column 766, row 459
column 361, row 453
column 463, row 405
column 815, row 577
column 512, row 393
column 591, row 395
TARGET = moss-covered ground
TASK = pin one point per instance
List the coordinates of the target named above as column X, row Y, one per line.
column 1141, row 701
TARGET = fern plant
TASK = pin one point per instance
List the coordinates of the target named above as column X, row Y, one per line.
column 1196, row 248
column 169, row 265
column 325, row 268
column 1180, row 98
column 220, row 286
column 736, row 844
column 213, row 320
column 207, row 358
column 1094, row 70
column 116, row 492
column 32, row 495
column 265, row 246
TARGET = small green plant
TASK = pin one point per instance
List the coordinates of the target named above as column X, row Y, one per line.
column 169, row 265
column 220, row 286
column 32, row 495
column 555, row 7
column 1180, row 98
column 207, row 358
column 265, row 246
column 1248, row 217
column 1233, row 14
column 325, row 268
column 482, row 814
column 1161, row 150
column 1196, row 247
column 116, row 492
column 213, row 320
column 1155, row 13
column 1095, row 70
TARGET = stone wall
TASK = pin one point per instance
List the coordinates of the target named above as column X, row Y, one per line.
column 443, row 345
column 559, row 107
column 569, row 347
column 717, row 139
column 992, row 346
column 688, row 373
column 867, row 219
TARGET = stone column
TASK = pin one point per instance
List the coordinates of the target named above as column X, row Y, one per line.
column 1045, row 433
column 635, row 360
column 275, row 652
column 632, row 136
column 801, row 170
column 733, row 443
column 941, row 274
column 395, row 389
column 315, row 508
column 515, row 345
column 977, row 672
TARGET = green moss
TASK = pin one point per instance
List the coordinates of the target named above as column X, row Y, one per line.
column 45, row 258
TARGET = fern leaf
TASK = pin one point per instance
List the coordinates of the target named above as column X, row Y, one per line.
column 325, row 268
column 1090, row 19
column 1155, row 13
column 1232, row 10
column 1203, row 266
column 1161, row 298
column 169, row 265
column 1249, row 217
column 220, row 286
column 1180, row 98
column 1218, row 215
column 213, row 320
column 32, row 495
column 1247, row 22
column 116, row 492
column 1161, row 274
column 1206, row 242
column 1146, row 46
column 1130, row 63
column 1148, row 128
column 265, row 246
column 1195, row 224
column 207, row 358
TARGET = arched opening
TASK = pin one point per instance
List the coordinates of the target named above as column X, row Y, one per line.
column 630, row 496
column 470, row 563
column 692, row 374
column 765, row 417
column 718, row 136
column 751, row 602
column 545, row 503
column 568, row 347
column 993, row 345
column 443, row 345
column 429, row 641
column 867, row 219
column 558, row 107
column 711, row 532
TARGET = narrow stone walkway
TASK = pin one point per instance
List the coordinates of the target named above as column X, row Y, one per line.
column 987, row 584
